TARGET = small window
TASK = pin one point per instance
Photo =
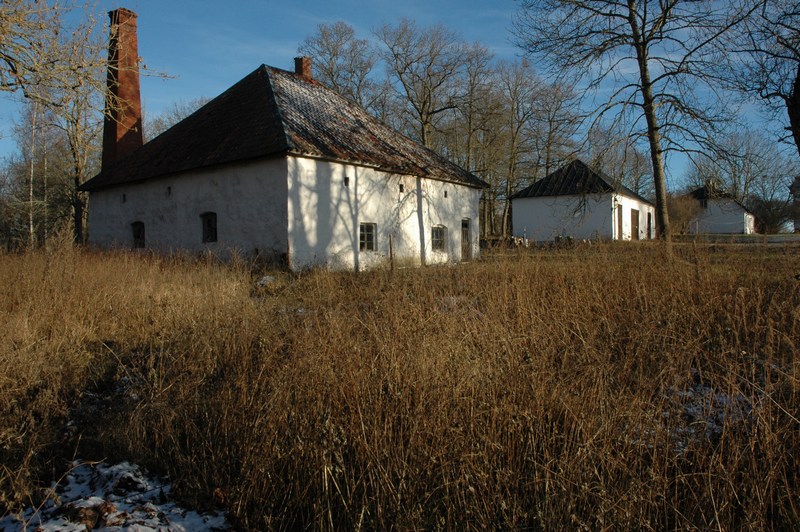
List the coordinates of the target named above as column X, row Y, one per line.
column 366, row 237
column 137, row 228
column 438, row 237
column 445, row 193
column 346, row 181
column 402, row 188
column 124, row 198
column 169, row 191
column 209, row 220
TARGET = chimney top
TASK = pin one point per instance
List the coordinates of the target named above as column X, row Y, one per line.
column 302, row 67
column 121, row 12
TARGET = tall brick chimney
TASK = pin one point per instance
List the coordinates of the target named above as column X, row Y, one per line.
column 302, row 67
column 122, row 131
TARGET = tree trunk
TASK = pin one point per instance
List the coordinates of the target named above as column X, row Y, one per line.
column 44, row 194
column 77, row 198
column 653, row 134
column 509, row 190
column 793, row 109
column 31, row 236
column 77, row 211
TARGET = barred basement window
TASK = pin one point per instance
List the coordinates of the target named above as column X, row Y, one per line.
column 137, row 228
column 366, row 236
column 438, row 237
column 209, row 220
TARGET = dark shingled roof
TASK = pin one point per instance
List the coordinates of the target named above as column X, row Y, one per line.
column 707, row 192
column 272, row 112
column 575, row 179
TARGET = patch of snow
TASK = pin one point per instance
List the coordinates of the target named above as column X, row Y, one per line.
column 701, row 411
column 265, row 281
column 99, row 496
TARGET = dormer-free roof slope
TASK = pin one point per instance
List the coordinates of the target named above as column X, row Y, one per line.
column 706, row 192
column 273, row 112
column 575, row 179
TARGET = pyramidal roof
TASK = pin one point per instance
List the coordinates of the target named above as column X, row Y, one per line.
column 706, row 192
column 575, row 179
column 273, row 112
column 710, row 192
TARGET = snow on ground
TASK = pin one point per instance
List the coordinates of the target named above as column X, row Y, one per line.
column 99, row 496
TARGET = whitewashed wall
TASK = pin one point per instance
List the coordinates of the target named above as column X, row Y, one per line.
column 297, row 208
column 724, row 216
column 249, row 200
column 591, row 217
column 626, row 203
column 325, row 214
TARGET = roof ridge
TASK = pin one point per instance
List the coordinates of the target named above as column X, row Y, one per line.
column 278, row 112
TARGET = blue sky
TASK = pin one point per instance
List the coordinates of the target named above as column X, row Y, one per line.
column 208, row 48
column 205, row 46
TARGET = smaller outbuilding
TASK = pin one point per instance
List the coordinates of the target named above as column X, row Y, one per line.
column 720, row 213
column 794, row 190
column 585, row 204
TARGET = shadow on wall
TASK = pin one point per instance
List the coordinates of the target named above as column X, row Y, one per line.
column 327, row 204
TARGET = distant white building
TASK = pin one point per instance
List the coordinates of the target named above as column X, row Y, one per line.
column 794, row 190
column 720, row 213
column 576, row 201
column 282, row 167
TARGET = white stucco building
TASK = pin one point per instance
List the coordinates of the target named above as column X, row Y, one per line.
column 720, row 213
column 794, row 190
column 279, row 166
column 576, row 201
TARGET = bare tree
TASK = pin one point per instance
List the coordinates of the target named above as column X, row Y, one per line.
column 649, row 56
column 28, row 49
column 77, row 107
column 766, row 59
column 518, row 88
column 475, row 102
column 37, row 49
column 37, row 192
column 554, row 127
column 60, row 65
column 343, row 63
column 615, row 153
column 683, row 210
column 171, row 116
column 425, row 64
column 741, row 159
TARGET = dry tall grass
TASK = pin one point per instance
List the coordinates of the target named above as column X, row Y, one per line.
column 587, row 388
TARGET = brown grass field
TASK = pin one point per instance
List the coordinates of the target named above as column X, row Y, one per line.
column 592, row 388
